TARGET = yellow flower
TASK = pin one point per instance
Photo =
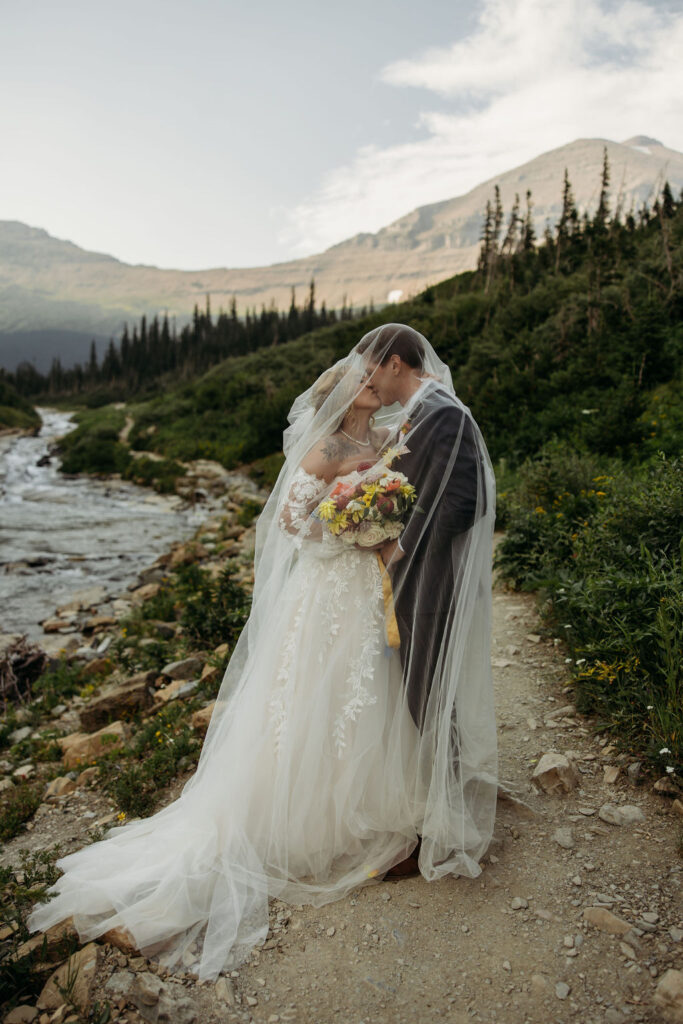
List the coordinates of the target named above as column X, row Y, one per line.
column 158, row 732
column 539, row 510
column 121, row 815
column 326, row 510
column 600, row 494
column 407, row 490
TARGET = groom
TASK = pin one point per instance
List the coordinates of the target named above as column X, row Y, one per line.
column 444, row 464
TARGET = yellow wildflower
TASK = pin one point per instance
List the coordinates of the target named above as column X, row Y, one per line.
column 539, row 510
column 601, row 494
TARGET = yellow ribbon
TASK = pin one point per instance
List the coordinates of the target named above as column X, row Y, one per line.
column 393, row 638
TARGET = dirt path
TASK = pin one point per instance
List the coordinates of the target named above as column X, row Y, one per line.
column 509, row 947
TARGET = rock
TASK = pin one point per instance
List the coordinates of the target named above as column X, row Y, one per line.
column 19, row 734
column 201, row 718
column 627, row 950
column 666, row 787
column 53, row 625
column 58, row 710
column 21, row 1015
column 144, row 592
column 614, row 1016
column 564, row 838
column 6, row 784
column 126, row 699
column 119, row 984
column 188, row 668
column 24, row 771
column 533, row 638
column 677, row 807
column 651, row 916
column 178, row 688
column 562, row 990
column 85, row 598
column 222, row 650
column 81, row 966
column 166, row 630
column 226, row 991
column 184, row 554
column 57, row 646
column 121, row 938
column 605, row 921
column 98, row 667
column 611, row 774
column 96, row 623
column 519, row 903
column 49, row 944
column 85, row 653
column 59, row 787
column 146, row 989
column 79, row 747
column 555, row 773
column 88, row 775
column 669, row 996
column 625, row 814
column 210, row 673
column 633, row 770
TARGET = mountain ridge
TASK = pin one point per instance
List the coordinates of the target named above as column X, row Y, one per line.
column 51, row 285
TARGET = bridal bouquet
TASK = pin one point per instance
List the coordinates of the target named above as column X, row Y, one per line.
column 371, row 506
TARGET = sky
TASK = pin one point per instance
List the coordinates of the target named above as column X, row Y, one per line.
column 213, row 133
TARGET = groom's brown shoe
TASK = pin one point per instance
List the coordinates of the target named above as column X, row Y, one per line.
column 407, row 868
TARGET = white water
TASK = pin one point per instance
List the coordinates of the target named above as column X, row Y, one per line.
column 68, row 533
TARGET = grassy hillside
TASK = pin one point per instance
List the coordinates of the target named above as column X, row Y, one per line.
column 16, row 411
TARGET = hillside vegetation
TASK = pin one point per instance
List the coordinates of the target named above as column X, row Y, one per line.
column 16, row 412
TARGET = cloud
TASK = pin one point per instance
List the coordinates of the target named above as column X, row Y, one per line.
column 532, row 75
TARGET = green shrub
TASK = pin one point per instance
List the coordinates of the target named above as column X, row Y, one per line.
column 608, row 559
column 214, row 610
column 18, row 805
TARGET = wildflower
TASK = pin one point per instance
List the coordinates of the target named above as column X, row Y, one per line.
column 670, row 769
column 650, row 707
column 568, row 661
column 580, row 661
column 121, row 815
column 665, row 750
column 567, row 625
column 539, row 510
column 600, row 494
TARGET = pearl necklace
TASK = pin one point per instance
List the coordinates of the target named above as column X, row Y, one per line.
column 355, row 439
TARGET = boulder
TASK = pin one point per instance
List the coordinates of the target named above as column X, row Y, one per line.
column 23, row 1014
column 124, row 700
column 146, row 591
column 555, row 773
column 82, row 967
column 96, row 623
column 185, row 554
column 88, row 775
column 59, row 787
column 625, row 814
column 669, row 996
column 177, row 688
column 121, row 938
column 97, row 667
column 188, row 668
column 202, row 717
column 54, row 939
column 79, row 747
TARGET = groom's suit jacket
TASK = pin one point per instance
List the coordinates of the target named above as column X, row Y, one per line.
column 445, row 464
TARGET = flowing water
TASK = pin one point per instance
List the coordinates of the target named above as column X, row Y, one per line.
column 61, row 534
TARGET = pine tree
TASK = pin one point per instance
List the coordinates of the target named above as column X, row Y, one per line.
column 528, row 239
column 602, row 212
column 569, row 218
column 668, row 205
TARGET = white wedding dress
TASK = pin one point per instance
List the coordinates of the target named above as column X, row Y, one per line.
column 310, row 788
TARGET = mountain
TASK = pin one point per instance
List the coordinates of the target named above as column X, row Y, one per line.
column 55, row 296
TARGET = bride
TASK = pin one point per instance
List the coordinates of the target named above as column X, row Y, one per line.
column 313, row 778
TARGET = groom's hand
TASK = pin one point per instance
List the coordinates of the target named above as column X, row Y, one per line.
column 391, row 552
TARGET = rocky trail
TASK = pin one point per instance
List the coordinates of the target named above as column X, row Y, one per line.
column 576, row 916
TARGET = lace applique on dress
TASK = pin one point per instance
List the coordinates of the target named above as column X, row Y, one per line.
column 295, row 514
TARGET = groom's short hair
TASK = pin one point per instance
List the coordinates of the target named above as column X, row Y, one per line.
column 405, row 343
